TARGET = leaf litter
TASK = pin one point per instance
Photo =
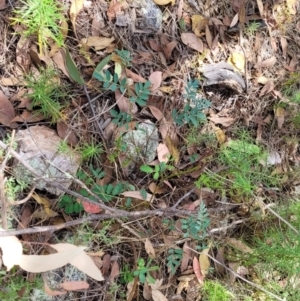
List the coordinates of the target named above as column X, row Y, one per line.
column 101, row 76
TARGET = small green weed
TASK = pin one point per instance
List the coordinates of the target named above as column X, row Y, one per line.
column 158, row 170
column 196, row 228
column 70, row 205
column 143, row 271
column 46, row 94
column 174, row 259
column 214, row 291
column 192, row 111
column 41, row 18
column 90, row 150
column 251, row 28
column 12, row 285
column 126, row 274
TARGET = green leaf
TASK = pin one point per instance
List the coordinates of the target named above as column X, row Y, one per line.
column 156, row 176
column 72, row 69
column 146, row 168
column 100, row 66
column 143, row 193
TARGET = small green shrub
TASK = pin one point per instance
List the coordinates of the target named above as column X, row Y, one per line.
column 46, row 94
column 214, row 291
column 41, row 18
column 143, row 271
column 174, row 259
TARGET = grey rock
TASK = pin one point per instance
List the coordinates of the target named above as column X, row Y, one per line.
column 141, row 144
column 38, row 146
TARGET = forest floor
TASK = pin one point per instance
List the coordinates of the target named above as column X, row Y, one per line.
column 163, row 137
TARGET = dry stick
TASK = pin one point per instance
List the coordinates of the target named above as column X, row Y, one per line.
column 245, row 66
column 182, row 198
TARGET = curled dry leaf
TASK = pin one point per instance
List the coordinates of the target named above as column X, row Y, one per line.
column 164, row 2
column 154, row 46
column 155, row 78
column 116, row 7
column 158, row 296
column 11, row 251
column 64, row 132
column 44, row 263
column 266, row 63
column 268, row 87
column 237, row 61
column 98, row 43
column 197, row 270
column 192, row 41
column 208, row 36
column 137, row 195
column 204, row 261
column 115, row 271
column 89, row 207
column 135, row 77
column 59, row 59
column 50, row 292
column 163, row 153
column 149, row 248
column 279, row 115
column 82, row 261
column 74, row 285
column 168, row 49
column 124, row 104
column 186, row 257
column 199, row 23
column 7, row 112
column 158, row 190
column 75, row 8
column 225, row 121
column 234, row 20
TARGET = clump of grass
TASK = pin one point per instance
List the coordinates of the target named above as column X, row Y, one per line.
column 214, row 291
column 41, row 18
column 46, row 94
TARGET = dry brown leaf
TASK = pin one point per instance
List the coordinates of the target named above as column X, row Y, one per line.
column 173, row 149
column 50, row 292
column 149, row 248
column 82, row 261
column 158, row 296
column 268, row 87
column 44, row 214
column 237, row 61
column 7, row 111
column 2, row 4
column 98, row 43
column 59, row 59
column 75, row 8
column 192, row 41
column 124, row 104
column 28, row 116
column 279, row 115
column 155, row 78
column 199, row 23
column 221, row 258
column 164, row 2
column 115, row 271
column 197, row 270
column 135, row 77
column 239, row 245
column 234, row 20
column 44, row 263
column 156, row 113
column 74, row 285
column 163, row 153
column 147, row 292
column 106, row 262
column 208, row 36
column 260, row 7
column 186, row 257
column 157, row 190
column 12, row 251
column 154, row 46
column 64, row 132
column 221, row 137
column 22, row 53
column 168, row 49
column 262, row 80
column 215, row 42
column 266, row 63
column 225, row 121
column 284, row 45
column 116, row 8
column 137, row 195
column 204, row 262
column 179, row 9
column 98, row 23
column 242, row 13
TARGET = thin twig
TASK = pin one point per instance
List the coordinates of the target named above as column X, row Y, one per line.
column 182, row 198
